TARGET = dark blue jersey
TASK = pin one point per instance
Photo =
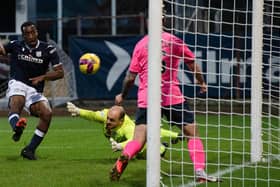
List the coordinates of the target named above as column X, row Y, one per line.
column 29, row 62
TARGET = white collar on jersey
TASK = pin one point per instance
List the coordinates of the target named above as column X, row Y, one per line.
column 37, row 45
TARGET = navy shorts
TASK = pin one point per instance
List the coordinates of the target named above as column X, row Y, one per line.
column 179, row 114
column 141, row 116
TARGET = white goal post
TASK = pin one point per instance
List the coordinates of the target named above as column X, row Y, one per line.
column 256, row 93
column 237, row 44
column 154, row 86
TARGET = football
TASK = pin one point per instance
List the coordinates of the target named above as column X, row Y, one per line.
column 89, row 63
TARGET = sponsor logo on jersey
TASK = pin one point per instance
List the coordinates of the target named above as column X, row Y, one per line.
column 30, row 59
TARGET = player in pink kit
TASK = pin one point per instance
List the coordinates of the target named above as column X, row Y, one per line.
column 174, row 106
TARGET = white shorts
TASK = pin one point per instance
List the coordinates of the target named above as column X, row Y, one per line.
column 31, row 95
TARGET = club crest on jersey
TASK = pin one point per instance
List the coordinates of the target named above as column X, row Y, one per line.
column 38, row 54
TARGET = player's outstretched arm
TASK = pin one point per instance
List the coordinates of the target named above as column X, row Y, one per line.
column 72, row 109
column 97, row 116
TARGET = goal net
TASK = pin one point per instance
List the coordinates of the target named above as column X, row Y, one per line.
column 237, row 44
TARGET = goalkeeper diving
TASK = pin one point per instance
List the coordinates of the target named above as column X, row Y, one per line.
column 119, row 127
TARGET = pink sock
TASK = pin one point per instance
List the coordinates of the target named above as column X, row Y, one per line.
column 132, row 148
column 197, row 154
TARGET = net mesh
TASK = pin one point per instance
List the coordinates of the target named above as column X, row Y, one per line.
column 220, row 34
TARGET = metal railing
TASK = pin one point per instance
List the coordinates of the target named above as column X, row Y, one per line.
column 92, row 26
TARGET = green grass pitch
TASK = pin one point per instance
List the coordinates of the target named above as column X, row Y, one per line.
column 75, row 153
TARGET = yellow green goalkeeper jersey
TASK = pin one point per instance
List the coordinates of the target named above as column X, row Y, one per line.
column 121, row 134
column 124, row 133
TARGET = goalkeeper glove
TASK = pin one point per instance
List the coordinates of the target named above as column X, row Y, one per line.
column 75, row 111
column 115, row 146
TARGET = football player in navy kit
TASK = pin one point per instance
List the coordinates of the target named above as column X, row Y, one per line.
column 30, row 60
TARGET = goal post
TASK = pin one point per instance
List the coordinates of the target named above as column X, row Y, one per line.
column 154, row 90
column 256, row 81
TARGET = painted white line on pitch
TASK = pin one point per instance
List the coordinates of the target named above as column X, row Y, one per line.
column 232, row 169
column 220, row 173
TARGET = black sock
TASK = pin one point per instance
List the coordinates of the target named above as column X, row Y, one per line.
column 13, row 119
column 36, row 140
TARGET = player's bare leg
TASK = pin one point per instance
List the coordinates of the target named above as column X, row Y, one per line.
column 16, row 104
column 44, row 112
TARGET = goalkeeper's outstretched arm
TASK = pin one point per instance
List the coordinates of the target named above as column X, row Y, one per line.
column 86, row 114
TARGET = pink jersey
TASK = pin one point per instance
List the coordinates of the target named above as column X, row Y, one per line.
column 173, row 49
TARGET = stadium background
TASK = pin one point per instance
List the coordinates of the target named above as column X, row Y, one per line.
column 89, row 29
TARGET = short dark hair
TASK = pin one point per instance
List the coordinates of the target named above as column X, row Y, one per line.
column 26, row 24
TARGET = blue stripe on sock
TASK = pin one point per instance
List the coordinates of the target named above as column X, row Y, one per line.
column 13, row 119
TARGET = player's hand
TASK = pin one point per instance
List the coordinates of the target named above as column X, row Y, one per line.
column 118, row 99
column 75, row 111
column 203, row 87
column 115, row 146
